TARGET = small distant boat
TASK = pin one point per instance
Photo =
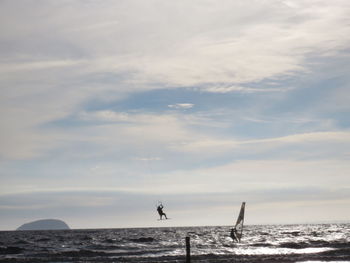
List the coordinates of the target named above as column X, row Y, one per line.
column 237, row 231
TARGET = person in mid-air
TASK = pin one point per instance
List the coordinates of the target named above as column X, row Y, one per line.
column 160, row 212
column 233, row 234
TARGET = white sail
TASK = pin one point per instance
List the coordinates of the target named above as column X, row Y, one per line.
column 239, row 223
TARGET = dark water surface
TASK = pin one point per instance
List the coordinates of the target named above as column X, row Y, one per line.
column 272, row 243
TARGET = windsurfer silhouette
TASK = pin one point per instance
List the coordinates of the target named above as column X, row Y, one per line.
column 233, row 234
column 160, row 211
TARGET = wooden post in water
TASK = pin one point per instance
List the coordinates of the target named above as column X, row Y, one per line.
column 188, row 250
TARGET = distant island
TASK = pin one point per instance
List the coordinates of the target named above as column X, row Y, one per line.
column 45, row 224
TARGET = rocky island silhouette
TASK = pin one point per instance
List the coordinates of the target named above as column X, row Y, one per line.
column 45, row 224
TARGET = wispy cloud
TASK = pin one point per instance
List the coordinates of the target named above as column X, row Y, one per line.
column 181, row 106
column 212, row 145
column 148, row 159
column 223, row 89
column 105, row 115
column 37, row 65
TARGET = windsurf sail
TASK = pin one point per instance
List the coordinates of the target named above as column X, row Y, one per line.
column 238, row 228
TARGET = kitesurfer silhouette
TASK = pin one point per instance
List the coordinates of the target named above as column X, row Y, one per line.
column 160, row 211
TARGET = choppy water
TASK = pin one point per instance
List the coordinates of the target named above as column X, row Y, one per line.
column 273, row 243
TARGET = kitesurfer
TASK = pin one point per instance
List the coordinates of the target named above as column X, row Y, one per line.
column 160, row 211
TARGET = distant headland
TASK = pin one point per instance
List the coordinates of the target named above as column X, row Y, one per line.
column 45, row 224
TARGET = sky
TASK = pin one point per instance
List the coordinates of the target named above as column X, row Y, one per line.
column 110, row 107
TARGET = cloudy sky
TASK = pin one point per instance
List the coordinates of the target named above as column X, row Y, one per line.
column 108, row 107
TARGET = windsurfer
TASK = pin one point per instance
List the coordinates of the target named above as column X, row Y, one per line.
column 160, row 211
column 233, row 234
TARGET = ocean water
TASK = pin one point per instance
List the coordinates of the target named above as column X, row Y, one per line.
column 260, row 243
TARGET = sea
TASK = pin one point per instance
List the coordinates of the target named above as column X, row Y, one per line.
column 260, row 243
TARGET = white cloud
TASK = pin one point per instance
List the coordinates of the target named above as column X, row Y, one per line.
column 37, row 65
column 104, row 115
column 251, row 175
column 211, row 145
column 262, row 48
column 242, row 89
column 185, row 43
column 181, row 106
column 148, row 159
